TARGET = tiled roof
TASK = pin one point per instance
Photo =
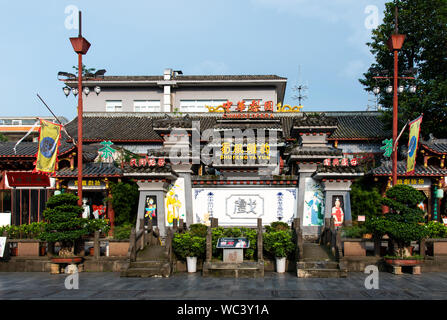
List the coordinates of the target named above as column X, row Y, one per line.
column 360, row 127
column 386, row 168
column 248, row 125
column 317, row 120
column 316, row 151
column 114, row 128
column 191, row 78
column 92, row 170
column 28, row 149
column 340, row 169
column 166, row 169
column 436, row 145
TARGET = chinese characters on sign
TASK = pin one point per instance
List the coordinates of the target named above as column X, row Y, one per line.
column 89, row 183
column 388, row 147
column 241, row 206
column 107, row 151
column 147, row 162
column 254, row 151
column 344, row 162
column 253, row 106
column 411, row 181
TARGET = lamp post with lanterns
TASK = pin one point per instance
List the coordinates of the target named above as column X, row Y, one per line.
column 394, row 44
column 80, row 46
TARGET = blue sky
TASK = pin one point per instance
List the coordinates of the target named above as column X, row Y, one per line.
column 326, row 38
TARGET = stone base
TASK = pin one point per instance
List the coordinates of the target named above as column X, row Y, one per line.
column 233, row 270
column 233, row 255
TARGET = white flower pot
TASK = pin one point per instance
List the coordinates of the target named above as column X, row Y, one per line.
column 192, row 264
column 281, row 265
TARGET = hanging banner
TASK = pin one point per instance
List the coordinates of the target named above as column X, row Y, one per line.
column 413, row 140
column 49, row 135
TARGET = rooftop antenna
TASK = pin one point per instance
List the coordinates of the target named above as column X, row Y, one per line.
column 300, row 88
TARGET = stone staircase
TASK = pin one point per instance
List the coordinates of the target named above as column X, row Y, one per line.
column 318, row 262
column 152, row 261
column 246, row 269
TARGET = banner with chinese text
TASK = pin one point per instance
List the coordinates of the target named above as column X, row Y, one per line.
column 413, row 140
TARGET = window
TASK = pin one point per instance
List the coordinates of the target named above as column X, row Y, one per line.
column 114, row 106
column 147, row 106
column 199, row 105
column 16, row 122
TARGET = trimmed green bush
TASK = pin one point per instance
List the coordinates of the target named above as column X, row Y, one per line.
column 436, row 230
column 198, row 229
column 188, row 245
column 277, row 226
column 356, row 231
column 122, row 232
column 279, row 243
column 404, row 222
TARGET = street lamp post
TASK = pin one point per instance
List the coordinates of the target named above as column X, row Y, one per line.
column 80, row 46
column 395, row 43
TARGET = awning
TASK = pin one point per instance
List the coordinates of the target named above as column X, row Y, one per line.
column 28, row 179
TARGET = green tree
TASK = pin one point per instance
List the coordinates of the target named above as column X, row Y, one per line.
column 64, row 222
column 85, row 71
column 424, row 22
column 365, row 199
column 404, row 222
column 125, row 202
column 3, row 138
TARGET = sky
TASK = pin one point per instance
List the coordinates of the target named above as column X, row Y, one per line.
column 319, row 43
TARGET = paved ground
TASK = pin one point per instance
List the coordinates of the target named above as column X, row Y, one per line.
column 106, row 286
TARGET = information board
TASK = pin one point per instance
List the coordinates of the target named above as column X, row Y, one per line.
column 233, row 243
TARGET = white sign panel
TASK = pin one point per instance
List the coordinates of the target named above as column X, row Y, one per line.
column 2, row 246
column 175, row 201
column 5, row 219
column 243, row 206
column 313, row 203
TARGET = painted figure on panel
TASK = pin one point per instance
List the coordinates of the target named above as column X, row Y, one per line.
column 173, row 205
column 337, row 213
column 315, row 211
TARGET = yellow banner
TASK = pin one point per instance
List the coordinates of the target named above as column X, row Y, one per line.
column 413, row 140
column 48, row 145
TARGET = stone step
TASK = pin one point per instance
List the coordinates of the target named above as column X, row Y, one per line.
column 152, row 253
column 321, row 273
column 164, row 271
column 148, row 264
column 317, row 265
column 233, row 270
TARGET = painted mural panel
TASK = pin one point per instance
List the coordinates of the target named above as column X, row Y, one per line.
column 175, row 201
column 338, row 211
column 313, row 203
column 243, row 206
column 150, row 210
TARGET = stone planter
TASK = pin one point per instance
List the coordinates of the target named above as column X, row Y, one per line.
column 281, row 264
column 28, row 248
column 118, row 248
column 440, row 247
column 192, row 264
column 354, row 247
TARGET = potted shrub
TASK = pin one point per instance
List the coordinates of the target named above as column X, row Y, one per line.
column 279, row 244
column 29, row 242
column 189, row 247
column 403, row 223
column 65, row 225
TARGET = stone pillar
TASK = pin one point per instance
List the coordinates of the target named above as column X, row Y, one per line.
column 159, row 190
column 189, row 213
column 209, row 245
column 305, row 171
column 260, row 241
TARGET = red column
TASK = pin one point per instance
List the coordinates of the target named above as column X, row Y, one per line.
column 395, row 114
column 80, row 129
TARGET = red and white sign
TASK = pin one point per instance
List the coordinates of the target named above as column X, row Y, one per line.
column 344, row 162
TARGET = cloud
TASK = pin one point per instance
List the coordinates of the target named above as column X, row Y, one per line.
column 209, row 67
